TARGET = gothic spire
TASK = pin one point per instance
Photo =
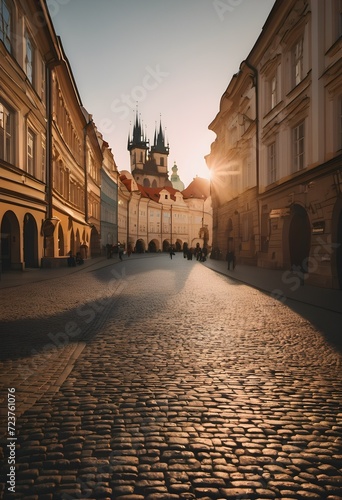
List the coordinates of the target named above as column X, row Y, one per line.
column 138, row 139
column 159, row 141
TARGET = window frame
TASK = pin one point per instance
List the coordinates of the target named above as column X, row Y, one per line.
column 6, row 31
column 29, row 62
column 273, row 91
column 298, row 61
column 8, row 139
column 298, row 147
column 271, row 162
column 31, row 156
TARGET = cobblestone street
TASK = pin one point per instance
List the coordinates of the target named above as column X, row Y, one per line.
column 160, row 379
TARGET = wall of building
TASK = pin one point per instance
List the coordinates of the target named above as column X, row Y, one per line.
column 295, row 210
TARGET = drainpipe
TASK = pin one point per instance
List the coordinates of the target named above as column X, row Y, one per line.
column 48, row 160
column 49, row 172
column 257, row 155
column 86, row 212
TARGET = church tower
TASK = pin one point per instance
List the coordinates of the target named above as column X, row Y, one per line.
column 149, row 166
column 159, row 151
column 137, row 145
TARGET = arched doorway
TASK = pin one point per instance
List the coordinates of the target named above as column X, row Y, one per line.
column 72, row 242
column 78, row 241
column 152, row 246
column 60, row 241
column 30, row 241
column 299, row 238
column 140, row 246
column 95, row 246
column 166, row 245
column 339, row 251
column 178, row 246
column 10, row 242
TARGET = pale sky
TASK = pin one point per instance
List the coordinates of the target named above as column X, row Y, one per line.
column 172, row 58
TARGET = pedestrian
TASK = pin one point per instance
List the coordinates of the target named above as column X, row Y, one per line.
column 231, row 259
column 120, row 250
column 171, row 252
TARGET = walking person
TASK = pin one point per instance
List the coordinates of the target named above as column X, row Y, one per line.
column 120, row 250
column 231, row 259
column 171, row 252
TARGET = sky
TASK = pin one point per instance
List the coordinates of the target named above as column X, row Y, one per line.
column 168, row 60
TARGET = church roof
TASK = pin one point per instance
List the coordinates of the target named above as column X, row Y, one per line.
column 154, row 193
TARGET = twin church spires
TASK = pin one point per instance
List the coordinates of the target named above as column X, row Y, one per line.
column 148, row 164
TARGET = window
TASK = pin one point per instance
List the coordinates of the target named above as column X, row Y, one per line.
column 273, row 91
column 5, row 24
column 298, row 147
column 298, row 71
column 29, row 58
column 42, row 80
column 162, row 161
column 31, row 146
column 43, row 160
column 271, row 163
column 6, row 133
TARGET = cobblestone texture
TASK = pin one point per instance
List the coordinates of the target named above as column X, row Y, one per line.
column 186, row 386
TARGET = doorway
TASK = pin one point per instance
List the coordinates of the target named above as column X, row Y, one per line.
column 30, row 241
column 339, row 251
column 299, row 239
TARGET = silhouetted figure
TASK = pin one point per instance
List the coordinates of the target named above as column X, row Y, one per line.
column 121, row 251
column 231, row 260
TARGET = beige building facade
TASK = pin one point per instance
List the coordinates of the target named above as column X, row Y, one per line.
column 50, row 155
column 27, row 51
column 295, row 147
column 154, row 219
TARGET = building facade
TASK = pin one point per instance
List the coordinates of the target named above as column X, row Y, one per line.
column 51, row 155
column 154, row 219
column 66, row 228
column 295, row 207
column 28, row 50
column 109, row 197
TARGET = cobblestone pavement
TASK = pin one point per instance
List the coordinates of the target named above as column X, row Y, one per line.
column 181, row 384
